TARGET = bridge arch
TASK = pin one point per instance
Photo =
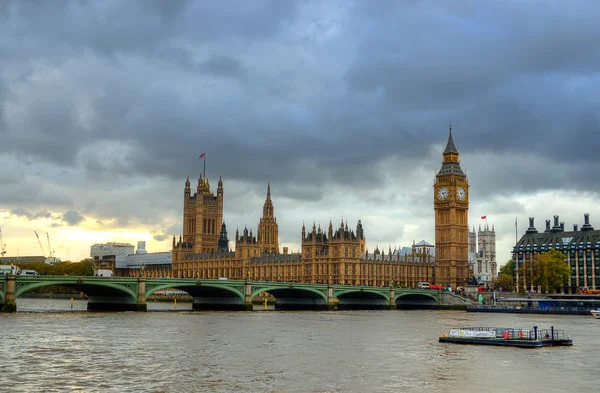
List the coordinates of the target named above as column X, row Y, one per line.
column 89, row 288
column 194, row 289
column 282, row 289
column 420, row 300
column 295, row 296
column 363, row 290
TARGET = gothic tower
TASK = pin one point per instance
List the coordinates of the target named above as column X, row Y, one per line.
column 223, row 241
column 486, row 241
column 472, row 242
column 451, row 205
column 268, row 234
column 202, row 216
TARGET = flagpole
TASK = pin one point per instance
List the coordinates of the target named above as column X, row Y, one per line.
column 516, row 261
column 204, row 158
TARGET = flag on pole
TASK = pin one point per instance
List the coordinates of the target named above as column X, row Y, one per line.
column 203, row 155
column 483, row 217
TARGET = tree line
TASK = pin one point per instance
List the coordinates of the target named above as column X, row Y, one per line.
column 83, row 268
column 549, row 272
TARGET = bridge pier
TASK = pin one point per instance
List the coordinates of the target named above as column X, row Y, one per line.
column 392, row 305
column 331, row 306
column 9, row 299
column 141, row 304
column 248, row 296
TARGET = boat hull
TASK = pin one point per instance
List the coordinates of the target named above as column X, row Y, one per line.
column 497, row 342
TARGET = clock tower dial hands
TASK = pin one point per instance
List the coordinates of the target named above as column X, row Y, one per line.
column 461, row 194
column 443, row 194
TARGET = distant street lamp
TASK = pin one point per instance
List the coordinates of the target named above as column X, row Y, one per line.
column 142, row 270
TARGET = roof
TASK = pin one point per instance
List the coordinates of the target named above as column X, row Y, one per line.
column 423, row 243
column 155, row 258
column 559, row 240
column 451, row 168
column 450, row 147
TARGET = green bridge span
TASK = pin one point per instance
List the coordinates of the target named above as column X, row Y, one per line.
column 130, row 294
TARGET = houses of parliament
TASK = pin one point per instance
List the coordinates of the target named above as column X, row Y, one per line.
column 337, row 254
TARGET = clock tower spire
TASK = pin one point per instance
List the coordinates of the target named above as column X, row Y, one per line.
column 451, row 205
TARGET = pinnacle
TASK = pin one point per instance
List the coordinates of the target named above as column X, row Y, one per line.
column 450, row 147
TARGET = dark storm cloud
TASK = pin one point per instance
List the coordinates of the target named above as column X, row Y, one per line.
column 222, row 66
column 309, row 95
column 72, row 217
column 20, row 212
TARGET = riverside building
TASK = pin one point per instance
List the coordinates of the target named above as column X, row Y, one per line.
column 338, row 254
column 580, row 247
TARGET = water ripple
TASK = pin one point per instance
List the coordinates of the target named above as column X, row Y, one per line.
column 278, row 352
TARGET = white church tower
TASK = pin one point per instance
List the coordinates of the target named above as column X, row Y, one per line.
column 482, row 257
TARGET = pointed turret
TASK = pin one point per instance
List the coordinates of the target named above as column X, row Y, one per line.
column 450, row 147
column 220, row 187
column 187, row 190
column 450, row 161
column 268, row 205
column 223, row 245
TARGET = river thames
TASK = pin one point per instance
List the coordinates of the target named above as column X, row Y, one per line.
column 49, row 347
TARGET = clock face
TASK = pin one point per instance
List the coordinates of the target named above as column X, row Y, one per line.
column 442, row 193
column 461, row 193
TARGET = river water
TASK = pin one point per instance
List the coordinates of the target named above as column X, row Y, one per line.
column 48, row 347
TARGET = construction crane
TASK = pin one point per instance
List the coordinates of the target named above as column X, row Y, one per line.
column 2, row 244
column 40, row 242
column 50, row 251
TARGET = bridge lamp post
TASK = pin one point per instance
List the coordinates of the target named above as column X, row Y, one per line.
column 142, row 265
column 249, row 272
column 331, row 280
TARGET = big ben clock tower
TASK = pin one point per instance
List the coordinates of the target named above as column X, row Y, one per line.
column 451, row 205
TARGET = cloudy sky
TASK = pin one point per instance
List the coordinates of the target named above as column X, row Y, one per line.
column 344, row 106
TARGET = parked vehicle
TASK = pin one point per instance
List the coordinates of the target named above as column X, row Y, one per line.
column 10, row 269
column 103, row 272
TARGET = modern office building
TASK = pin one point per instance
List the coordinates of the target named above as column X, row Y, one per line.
column 124, row 262
column 580, row 247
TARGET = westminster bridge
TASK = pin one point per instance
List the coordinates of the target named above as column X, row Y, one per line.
column 130, row 293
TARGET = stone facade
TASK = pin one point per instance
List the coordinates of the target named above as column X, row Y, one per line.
column 451, row 205
column 339, row 256
column 482, row 254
